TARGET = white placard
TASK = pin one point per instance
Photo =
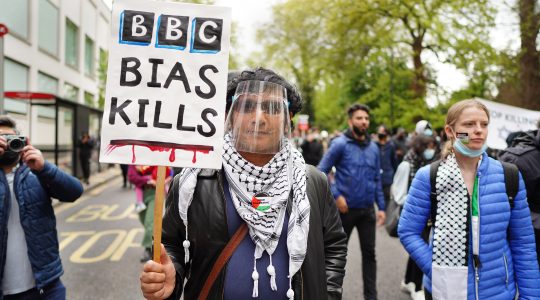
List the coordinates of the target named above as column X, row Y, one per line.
column 505, row 119
column 166, row 84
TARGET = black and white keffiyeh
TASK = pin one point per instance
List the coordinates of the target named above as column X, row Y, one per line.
column 285, row 171
column 449, row 273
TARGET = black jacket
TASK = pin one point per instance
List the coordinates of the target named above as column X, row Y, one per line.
column 321, row 274
column 525, row 154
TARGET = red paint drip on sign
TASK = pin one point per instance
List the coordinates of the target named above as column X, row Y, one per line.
column 194, row 160
column 159, row 147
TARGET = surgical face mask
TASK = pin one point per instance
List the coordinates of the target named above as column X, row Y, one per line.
column 428, row 132
column 9, row 158
column 428, row 154
column 460, row 146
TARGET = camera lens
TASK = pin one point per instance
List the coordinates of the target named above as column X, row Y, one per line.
column 16, row 145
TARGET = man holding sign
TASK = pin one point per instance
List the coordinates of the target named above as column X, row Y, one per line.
column 266, row 215
column 166, row 81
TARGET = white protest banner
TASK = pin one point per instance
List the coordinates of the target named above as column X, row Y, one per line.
column 505, row 119
column 166, row 84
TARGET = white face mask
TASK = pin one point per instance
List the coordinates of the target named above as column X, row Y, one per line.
column 428, row 154
column 460, row 145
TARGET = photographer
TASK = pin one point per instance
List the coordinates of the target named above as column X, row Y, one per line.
column 30, row 265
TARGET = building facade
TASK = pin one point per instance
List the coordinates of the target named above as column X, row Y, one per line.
column 57, row 47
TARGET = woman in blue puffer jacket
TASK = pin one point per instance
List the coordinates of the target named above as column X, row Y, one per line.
column 481, row 248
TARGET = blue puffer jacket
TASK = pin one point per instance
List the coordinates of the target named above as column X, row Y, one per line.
column 358, row 171
column 34, row 192
column 497, row 279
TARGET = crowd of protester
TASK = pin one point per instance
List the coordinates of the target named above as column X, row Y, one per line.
column 402, row 154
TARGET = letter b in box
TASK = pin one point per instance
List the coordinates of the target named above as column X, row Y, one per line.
column 136, row 27
column 172, row 32
column 206, row 35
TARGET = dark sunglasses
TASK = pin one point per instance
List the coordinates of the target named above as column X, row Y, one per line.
column 270, row 107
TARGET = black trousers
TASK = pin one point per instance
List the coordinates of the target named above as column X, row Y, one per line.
column 85, row 164
column 428, row 295
column 386, row 193
column 413, row 273
column 124, row 173
column 364, row 220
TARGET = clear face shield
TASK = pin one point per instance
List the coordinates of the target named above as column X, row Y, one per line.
column 259, row 121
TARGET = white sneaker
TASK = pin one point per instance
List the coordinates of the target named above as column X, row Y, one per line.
column 408, row 288
column 139, row 207
column 418, row 295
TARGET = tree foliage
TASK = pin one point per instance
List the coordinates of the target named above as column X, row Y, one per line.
column 522, row 88
column 102, row 77
column 294, row 42
column 374, row 51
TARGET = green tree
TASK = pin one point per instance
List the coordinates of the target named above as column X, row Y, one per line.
column 294, row 43
column 529, row 58
column 102, row 77
column 523, row 88
column 437, row 26
column 485, row 67
column 358, row 51
column 234, row 61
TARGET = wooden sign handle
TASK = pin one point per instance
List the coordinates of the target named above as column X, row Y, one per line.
column 158, row 211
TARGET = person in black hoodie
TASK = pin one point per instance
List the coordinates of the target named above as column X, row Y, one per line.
column 525, row 154
column 312, row 150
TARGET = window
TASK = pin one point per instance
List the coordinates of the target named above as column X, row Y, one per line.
column 71, row 92
column 72, row 44
column 46, row 84
column 48, row 27
column 14, row 14
column 89, row 99
column 89, row 57
column 16, row 81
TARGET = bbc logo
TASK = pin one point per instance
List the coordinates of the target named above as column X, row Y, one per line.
column 137, row 28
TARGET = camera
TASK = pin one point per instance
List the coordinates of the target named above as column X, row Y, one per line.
column 15, row 143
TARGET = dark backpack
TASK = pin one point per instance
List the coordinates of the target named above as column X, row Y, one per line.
column 525, row 154
column 511, row 181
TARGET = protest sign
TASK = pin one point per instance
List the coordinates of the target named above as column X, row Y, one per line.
column 505, row 119
column 303, row 122
column 166, row 84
